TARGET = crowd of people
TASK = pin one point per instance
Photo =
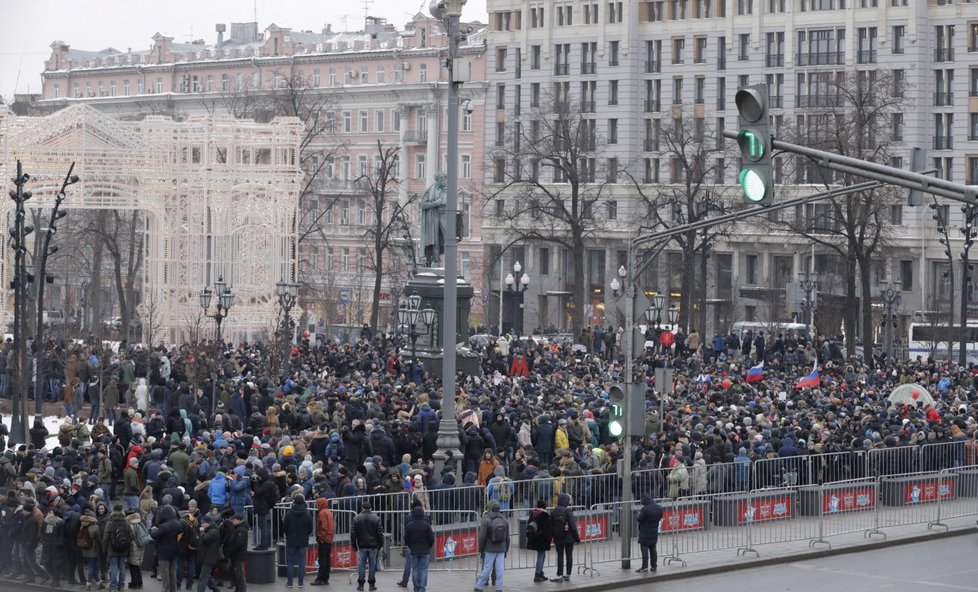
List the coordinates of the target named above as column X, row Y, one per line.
column 181, row 449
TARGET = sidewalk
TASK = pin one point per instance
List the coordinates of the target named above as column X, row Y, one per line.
column 610, row 575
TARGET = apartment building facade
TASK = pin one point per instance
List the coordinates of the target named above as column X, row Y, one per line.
column 634, row 68
column 378, row 89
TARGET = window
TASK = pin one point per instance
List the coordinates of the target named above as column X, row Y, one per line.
column 906, row 276
column 613, row 92
column 364, row 122
column 423, row 73
column 898, row 127
column 419, row 168
column 395, row 120
column 612, row 131
column 699, row 50
column 535, row 94
column 500, row 208
column 379, row 123
column 615, row 10
column 745, row 7
column 534, row 57
column 743, row 44
column 896, row 215
column 362, row 165
column 500, row 59
column 678, row 51
column 700, row 90
column 159, row 85
column 345, row 260
column 651, row 170
column 500, row 96
column 867, row 45
column 499, row 170
column 361, row 212
column 677, row 91
column 750, row 270
column 613, row 47
column 543, row 261
column 972, row 37
column 611, row 208
column 466, row 121
column 466, row 168
column 347, row 122
column 899, row 82
column 899, row 38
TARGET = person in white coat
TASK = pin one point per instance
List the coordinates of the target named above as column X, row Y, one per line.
column 142, row 395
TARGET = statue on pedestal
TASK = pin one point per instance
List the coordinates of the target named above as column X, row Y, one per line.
column 433, row 221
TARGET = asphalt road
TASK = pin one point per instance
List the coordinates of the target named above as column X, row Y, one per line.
column 943, row 564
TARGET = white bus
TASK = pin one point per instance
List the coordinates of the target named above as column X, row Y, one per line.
column 928, row 340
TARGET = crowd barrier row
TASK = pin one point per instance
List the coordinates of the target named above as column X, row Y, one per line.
column 692, row 523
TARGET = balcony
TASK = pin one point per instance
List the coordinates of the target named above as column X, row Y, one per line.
column 943, row 99
column 588, row 68
column 652, row 106
column 944, row 54
column 943, row 142
column 588, row 107
column 866, row 56
column 774, row 61
column 653, row 66
column 561, row 69
column 817, row 101
column 416, row 136
column 828, row 58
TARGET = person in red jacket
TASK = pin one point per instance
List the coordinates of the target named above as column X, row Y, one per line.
column 325, row 531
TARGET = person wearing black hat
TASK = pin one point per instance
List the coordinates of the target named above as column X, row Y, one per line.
column 367, row 538
column 298, row 527
column 209, row 552
column 236, row 551
column 648, row 533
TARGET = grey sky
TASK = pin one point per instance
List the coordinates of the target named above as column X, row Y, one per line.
column 27, row 28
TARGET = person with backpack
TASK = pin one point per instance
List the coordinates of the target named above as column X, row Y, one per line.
column 298, row 527
column 500, row 488
column 140, row 538
column 265, row 498
column 367, row 538
column 118, row 543
column 90, row 542
column 648, row 533
column 209, row 553
column 325, row 533
column 419, row 538
column 538, row 537
column 493, row 546
column 563, row 525
column 186, row 551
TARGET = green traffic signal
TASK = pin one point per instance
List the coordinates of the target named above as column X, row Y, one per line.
column 753, row 185
column 751, row 145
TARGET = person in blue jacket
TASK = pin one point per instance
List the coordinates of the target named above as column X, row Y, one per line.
column 239, row 486
column 217, row 491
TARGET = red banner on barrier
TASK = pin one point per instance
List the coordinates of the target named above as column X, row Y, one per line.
column 459, row 543
column 765, row 508
column 686, row 518
column 592, row 528
column 848, row 500
column 927, row 491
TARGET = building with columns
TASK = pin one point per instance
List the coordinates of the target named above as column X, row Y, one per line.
column 636, row 68
column 377, row 89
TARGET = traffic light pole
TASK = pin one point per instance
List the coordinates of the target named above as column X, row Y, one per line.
column 628, row 349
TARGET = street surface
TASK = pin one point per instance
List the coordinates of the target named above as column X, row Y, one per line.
column 942, row 564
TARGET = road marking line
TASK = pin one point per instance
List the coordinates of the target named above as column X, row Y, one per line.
column 902, row 581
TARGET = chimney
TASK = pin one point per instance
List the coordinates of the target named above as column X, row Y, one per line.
column 220, row 28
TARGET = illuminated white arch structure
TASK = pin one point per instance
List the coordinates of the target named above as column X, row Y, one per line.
column 220, row 195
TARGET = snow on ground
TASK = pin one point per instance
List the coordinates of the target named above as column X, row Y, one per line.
column 51, row 422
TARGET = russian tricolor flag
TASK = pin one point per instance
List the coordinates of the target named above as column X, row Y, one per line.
column 756, row 373
column 812, row 380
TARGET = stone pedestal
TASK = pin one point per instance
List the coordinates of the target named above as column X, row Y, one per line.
column 429, row 283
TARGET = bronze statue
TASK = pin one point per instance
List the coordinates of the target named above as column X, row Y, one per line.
column 433, row 221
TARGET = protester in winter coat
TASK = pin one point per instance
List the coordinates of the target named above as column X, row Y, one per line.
column 298, row 528
column 325, row 533
column 648, row 533
column 118, row 542
column 209, row 552
column 367, row 538
column 538, row 537
column 139, row 535
column 236, row 551
column 419, row 538
column 563, row 526
column 493, row 545
column 90, row 544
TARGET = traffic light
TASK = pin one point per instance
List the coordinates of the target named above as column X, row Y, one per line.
column 616, row 396
column 754, row 139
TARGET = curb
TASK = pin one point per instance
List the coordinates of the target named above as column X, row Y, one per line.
column 683, row 574
column 779, row 560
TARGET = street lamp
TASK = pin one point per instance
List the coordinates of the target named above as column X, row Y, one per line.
column 890, row 293
column 288, row 294
column 449, row 12
column 18, row 234
column 518, row 289
column 809, row 284
column 225, row 300
column 408, row 315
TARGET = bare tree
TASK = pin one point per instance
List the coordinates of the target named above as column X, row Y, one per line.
column 694, row 154
column 389, row 221
column 122, row 238
column 852, row 117
column 548, row 174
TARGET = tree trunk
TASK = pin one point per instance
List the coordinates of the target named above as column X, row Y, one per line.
column 378, row 270
column 851, row 310
column 963, row 347
column 701, row 321
column 688, row 284
column 866, row 306
column 95, row 322
column 580, row 286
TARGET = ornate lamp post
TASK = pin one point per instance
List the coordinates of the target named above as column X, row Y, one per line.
column 518, row 289
column 225, row 300
column 288, row 295
column 809, row 284
column 407, row 317
column 449, row 12
column 890, row 293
